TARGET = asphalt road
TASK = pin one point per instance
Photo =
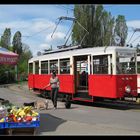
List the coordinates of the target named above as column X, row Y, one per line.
column 81, row 119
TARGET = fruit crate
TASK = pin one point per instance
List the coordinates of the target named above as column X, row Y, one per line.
column 2, row 125
column 22, row 124
column 32, row 124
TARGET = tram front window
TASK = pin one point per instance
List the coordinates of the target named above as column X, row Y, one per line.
column 125, row 63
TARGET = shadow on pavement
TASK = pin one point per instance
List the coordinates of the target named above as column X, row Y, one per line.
column 62, row 108
column 110, row 105
column 48, row 123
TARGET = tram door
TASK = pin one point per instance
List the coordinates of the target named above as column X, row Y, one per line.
column 81, row 75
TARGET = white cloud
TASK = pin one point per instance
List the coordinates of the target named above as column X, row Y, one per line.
column 135, row 39
column 31, row 28
column 14, row 24
column 56, row 36
column 30, row 11
column 33, row 25
column 40, row 24
column 133, row 24
column 31, row 20
column 44, row 46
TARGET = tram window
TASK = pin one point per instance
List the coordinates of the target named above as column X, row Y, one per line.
column 125, row 64
column 65, row 66
column 100, row 64
column 54, row 66
column 30, row 67
column 37, row 67
column 44, row 67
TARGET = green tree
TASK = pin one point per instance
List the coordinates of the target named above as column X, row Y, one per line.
column 7, row 72
column 75, row 37
column 84, row 14
column 17, row 44
column 121, row 29
column 23, row 61
column 6, row 38
column 101, row 25
column 107, row 23
column 97, row 21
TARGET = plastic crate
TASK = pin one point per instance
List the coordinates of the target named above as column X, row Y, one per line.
column 2, row 125
column 22, row 124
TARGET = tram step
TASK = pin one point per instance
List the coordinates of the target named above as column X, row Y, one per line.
column 82, row 95
column 82, row 91
column 82, row 87
column 82, row 99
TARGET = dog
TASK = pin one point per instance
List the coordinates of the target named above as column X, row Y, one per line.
column 38, row 104
column 41, row 104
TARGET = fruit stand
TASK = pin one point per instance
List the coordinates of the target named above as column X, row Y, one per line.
column 23, row 119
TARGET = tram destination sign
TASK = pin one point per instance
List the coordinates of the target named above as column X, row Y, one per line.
column 125, row 54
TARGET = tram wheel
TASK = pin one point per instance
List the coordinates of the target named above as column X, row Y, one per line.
column 68, row 104
column 122, row 99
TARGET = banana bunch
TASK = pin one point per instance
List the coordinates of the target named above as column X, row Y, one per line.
column 13, row 110
column 34, row 114
column 1, row 120
column 24, row 111
column 27, row 109
column 29, row 112
column 22, row 114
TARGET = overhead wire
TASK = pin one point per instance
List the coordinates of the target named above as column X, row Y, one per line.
column 70, row 33
column 66, row 8
column 27, row 37
column 39, row 32
column 69, row 30
column 55, row 28
column 135, row 39
column 131, row 36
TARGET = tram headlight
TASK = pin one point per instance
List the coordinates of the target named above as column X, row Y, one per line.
column 127, row 89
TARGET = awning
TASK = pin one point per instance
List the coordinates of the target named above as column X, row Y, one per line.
column 8, row 57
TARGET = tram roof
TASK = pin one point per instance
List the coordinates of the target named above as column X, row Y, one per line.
column 77, row 51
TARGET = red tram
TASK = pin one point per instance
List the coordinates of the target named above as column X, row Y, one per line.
column 87, row 74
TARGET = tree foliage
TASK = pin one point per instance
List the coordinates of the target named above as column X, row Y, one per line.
column 23, row 61
column 100, row 25
column 6, row 38
column 121, row 29
column 7, row 72
column 17, row 44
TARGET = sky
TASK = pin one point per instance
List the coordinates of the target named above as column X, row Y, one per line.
column 37, row 23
